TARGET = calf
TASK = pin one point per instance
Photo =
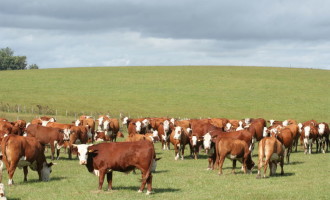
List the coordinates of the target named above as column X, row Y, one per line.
column 309, row 135
column 234, row 150
column 104, row 158
column 19, row 151
column 47, row 135
column 272, row 150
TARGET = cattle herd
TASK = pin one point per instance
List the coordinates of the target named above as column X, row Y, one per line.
column 94, row 142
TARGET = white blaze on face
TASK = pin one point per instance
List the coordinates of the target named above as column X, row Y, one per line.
column 155, row 133
column 77, row 123
column 45, row 172
column 188, row 130
column 82, row 153
column 44, row 123
column 138, row 126
column 194, row 140
column 264, row 133
column 300, row 127
column 228, row 126
column 247, row 121
column 207, row 141
column 27, row 125
column 321, row 129
column 285, row 123
column 172, row 120
column 145, row 123
column 125, row 120
column 100, row 120
column 52, row 119
column 177, row 133
column 240, row 127
column 66, row 134
column 307, row 130
column 106, row 125
column 166, row 125
column 271, row 122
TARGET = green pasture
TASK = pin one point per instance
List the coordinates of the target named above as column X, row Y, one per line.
column 187, row 91
column 181, row 92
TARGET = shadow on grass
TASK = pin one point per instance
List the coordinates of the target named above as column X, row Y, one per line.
column 160, row 171
column 156, row 190
column 14, row 198
column 52, row 179
column 295, row 163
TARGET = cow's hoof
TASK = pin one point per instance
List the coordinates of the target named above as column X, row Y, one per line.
column 139, row 191
column 148, row 192
column 258, row 177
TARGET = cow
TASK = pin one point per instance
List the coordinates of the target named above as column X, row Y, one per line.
column 234, row 149
column 217, row 134
column 164, row 130
column 90, row 123
column 309, row 135
column 45, row 120
column 323, row 137
column 2, row 192
column 294, row 128
column 47, row 135
column 142, row 123
column 3, row 119
column 65, row 127
column 218, row 122
column 179, row 138
column 24, row 152
column 200, row 127
column 257, row 127
column 285, row 136
column 138, row 137
column 111, row 127
column 272, row 150
column 77, row 133
column 104, row 158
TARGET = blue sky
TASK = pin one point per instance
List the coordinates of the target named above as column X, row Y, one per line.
column 81, row 33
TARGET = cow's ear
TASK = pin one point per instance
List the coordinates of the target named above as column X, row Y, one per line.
column 50, row 164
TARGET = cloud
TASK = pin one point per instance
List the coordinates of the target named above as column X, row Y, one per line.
column 129, row 32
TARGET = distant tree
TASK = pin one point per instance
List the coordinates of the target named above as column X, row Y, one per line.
column 33, row 66
column 10, row 62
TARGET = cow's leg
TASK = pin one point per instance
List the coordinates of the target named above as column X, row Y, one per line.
column 182, row 147
column 221, row 161
column 109, row 179
column 144, row 181
column 101, row 178
column 234, row 166
column 11, row 170
column 176, row 152
column 265, row 166
column 149, row 184
column 282, row 164
column 25, row 170
column 58, row 153
column 52, row 148
column 70, row 152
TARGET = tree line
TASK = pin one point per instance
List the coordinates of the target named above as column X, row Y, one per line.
column 10, row 62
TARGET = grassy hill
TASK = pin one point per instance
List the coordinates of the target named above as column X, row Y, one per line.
column 187, row 91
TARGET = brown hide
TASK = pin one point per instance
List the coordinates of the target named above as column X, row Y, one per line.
column 268, row 147
column 123, row 157
column 15, row 147
column 233, row 149
column 180, row 144
column 46, row 135
column 77, row 132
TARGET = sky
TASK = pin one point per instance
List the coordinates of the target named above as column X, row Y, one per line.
column 85, row 33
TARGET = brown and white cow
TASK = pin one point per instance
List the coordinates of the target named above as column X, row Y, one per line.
column 286, row 137
column 77, row 133
column 309, row 135
column 141, row 123
column 104, row 158
column 111, row 128
column 65, row 127
column 271, row 151
column 47, row 135
column 87, row 122
column 20, row 151
column 323, row 137
column 179, row 138
column 257, row 128
column 164, row 131
column 234, row 150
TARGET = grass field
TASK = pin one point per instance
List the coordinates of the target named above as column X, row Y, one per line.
column 188, row 91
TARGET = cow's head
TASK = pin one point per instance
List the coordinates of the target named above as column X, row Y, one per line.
column 100, row 120
column 125, row 120
column 207, row 139
column 99, row 135
column 145, row 123
column 82, row 151
column 67, row 133
column 271, row 122
column 321, row 128
column 172, row 120
column 44, row 123
column 45, row 171
column 228, row 127
column 300, row 127
column 78, row 122
column 166, row 125
column 265, row 132
column 177, row 133
column 138, row 126
column 307, row 130
column 285, row 123
column 52, row 119
column 106, row 125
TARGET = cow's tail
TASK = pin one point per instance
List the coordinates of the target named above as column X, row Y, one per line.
column 152, row 160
